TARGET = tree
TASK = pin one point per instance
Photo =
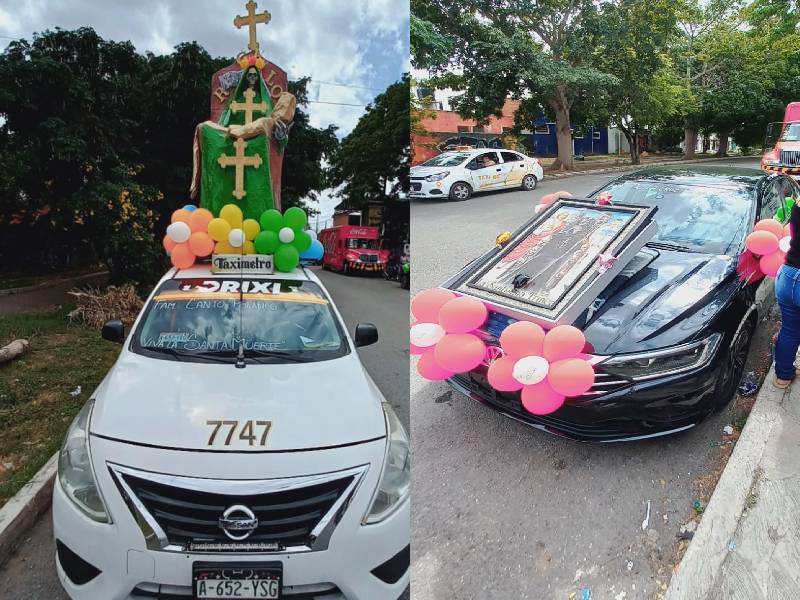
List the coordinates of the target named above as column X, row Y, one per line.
column 529, row 49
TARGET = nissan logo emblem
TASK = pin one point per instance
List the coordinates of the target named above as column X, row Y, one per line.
column 238, row 522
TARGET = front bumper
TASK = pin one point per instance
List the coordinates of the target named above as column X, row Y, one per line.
column 129, row 569
column 635, row 411
column 429, row 189
column 793, row 171
column 366, row 267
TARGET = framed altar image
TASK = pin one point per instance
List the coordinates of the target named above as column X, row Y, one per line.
column 556, row 264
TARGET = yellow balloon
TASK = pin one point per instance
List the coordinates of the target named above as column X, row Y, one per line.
column 226, row 248
column 251, row 229
column 232, row 214
column 249, row 247
column 219, row 229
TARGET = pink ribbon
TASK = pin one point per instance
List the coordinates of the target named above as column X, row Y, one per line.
column 605, row 262
column 604, row 199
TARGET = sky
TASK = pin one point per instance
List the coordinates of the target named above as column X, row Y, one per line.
column 360, row 43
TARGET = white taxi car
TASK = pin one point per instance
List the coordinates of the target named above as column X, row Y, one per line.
column 459, row 174
column 236, row 449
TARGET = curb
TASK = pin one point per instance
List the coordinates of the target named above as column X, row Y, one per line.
column 702, row 563
column 22, row 511
column 617, row 169
column 50, row 283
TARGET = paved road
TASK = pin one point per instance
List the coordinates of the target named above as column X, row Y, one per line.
column 30, row 575
column 504, row 511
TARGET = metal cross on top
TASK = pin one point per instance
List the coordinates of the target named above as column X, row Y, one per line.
column 250, row 20
column 240, row 161
column 248, row 106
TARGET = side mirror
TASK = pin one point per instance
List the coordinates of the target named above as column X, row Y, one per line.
column 114, row 331
column 366, row 334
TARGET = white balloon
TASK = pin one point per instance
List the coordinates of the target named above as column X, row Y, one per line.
column 236, row 238
column 530, row 369
column 785, row 243
column 286, row 235
column 179, row 232
column 425, row 335
column 311, row 233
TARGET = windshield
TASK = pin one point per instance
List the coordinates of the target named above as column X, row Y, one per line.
column 274, row 321
column 446, row 160
column 704, row 219
column 362, row 244
column 791, row 133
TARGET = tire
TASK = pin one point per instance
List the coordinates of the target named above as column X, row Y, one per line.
column 405, row 281
column 529, row 183
column 345, row 269
column 733, row 368
column 460, row 191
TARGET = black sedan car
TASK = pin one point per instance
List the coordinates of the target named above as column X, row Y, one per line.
column 674, row 328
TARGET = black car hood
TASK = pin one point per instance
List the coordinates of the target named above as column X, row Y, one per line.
column 661, row 298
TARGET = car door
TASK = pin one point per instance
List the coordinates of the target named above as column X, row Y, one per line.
column 514, row 168
column 771, row 201
column 486, row 177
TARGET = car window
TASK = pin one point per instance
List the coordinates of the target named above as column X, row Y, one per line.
column 486, row 160
column 511, row 157
column 791, row 133
column 446, row 160
column 198, row 320
column 706, row 219
column 771, row 199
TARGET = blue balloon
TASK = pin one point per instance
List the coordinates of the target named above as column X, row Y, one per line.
column 314, row 252
column 190, row 207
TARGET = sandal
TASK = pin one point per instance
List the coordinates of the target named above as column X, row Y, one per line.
column 782, row 384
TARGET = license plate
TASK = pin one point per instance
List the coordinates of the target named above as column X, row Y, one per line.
column 243, row 581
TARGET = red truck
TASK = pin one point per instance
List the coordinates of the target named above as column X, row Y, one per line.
column 353, row 248
column 782, row 144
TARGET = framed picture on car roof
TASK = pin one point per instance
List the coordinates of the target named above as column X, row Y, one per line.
column 556, row 264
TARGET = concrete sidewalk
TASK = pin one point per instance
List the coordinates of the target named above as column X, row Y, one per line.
column 747, row 545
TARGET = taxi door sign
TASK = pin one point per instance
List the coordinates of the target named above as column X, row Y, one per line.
column 242, row 263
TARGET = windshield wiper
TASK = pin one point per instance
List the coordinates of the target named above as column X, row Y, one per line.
column 179, row 356
column 286, row 356
column 669, row 246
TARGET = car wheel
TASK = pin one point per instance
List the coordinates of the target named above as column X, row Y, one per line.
column 733, row 367
column 460, row 191
column 529, row 182
column 345, row 269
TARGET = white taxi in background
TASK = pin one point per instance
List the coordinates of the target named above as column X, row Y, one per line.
column 237, row 449
column 459, row 174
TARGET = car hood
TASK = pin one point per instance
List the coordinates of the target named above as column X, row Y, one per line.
column 789, row 145
column 425, row 171
column 660, row 299
column 167, row 403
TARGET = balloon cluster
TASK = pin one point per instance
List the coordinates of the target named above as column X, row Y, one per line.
column 195, row 233
column 546, row 367
column 769, row 241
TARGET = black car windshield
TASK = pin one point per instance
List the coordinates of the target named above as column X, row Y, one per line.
column 791, row 133
column 446, row 160
column 704, row 219
column 204, row 320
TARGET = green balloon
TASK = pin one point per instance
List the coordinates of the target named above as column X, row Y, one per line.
column 267, row 242
column 302, row 241
column 271, row 220
column 286, row 258
column 780, row 215
column 295, row 218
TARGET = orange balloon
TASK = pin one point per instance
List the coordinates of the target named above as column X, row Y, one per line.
column 522, row 338
column 199, row 219
column 168, row 243
column 571, row 377
column 770, row 225
column 181, row 215
column 200, row 243
column 563, row 341
column 182, row 257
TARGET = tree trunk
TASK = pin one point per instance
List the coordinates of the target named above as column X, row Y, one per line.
column 722, row 151
column 560, row 106
column 633, row 143
column 689, row 142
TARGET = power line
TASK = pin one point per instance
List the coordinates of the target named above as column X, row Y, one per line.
column 337, row 103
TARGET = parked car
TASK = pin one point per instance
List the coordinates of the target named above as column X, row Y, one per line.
column 236, row 449
column 353, row 249
column 457, row 175
column 674, row 328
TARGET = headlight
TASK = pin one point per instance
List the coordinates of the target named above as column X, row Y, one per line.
column 75, row 468
column 437, row 176
column 396, row 475
column 668, row 361
column 772, row 163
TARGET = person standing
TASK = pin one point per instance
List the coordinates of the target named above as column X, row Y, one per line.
column 787, row 292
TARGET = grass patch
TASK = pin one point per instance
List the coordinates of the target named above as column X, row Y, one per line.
column 36, row 405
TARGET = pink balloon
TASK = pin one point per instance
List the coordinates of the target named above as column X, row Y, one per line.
column 773, row 226
column 500, row 375
column 772, row 263
column 429, row 369
column 761, row 242
column 563, row 341
column 541, row 398
column 571, row 377
column 787, row 230
column 425, row 305
column 459, row 352
column 418, row 349
column 522, row 338
column 462, row 315
column 748, row 267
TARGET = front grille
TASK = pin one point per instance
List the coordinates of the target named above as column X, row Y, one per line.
column 790, row 157
column 369, row 258
column 185, row 592
column 186, row 517
column 416, row 186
